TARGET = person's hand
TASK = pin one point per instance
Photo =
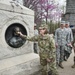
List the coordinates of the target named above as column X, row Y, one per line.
column 56, row 45
column 69, row 44
column 49, row 60
column 19, row 33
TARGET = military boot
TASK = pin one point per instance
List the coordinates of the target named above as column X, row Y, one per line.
column 49, row 73
column 60, row 65
column 57, row 65
column 54, row 72
column 65, row 59
column 74, row 63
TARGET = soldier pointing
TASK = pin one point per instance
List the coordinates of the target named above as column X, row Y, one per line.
column 47, row 50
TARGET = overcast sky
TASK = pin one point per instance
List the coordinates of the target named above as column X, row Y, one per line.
column 61, row 2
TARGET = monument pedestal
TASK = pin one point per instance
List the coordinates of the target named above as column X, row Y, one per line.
column 20, row 65
column 20, row 60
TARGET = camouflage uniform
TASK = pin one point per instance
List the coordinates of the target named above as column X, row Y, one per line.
column 60, row 39
column 68, row 49
column 46, row 50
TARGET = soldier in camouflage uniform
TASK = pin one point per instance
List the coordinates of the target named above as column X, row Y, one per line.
column 60, row 41
column 47, row 50
column 68, row 47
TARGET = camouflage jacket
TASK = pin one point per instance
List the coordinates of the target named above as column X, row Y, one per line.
column 69, row 35
column 60, row 36
column 46, row 45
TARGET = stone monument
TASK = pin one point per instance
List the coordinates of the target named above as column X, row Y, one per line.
column 21, row 59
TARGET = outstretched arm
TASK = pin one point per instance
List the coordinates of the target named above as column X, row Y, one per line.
column 34, row 38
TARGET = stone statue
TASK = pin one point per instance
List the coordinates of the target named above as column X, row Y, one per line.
column 16, row 41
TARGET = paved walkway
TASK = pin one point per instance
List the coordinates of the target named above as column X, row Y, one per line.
column 67, row 67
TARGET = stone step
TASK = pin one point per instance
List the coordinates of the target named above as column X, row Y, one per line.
column 25, row 64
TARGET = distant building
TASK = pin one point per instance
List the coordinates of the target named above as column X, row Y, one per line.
column 70, row 12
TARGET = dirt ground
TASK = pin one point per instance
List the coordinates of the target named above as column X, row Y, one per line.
column 67, row 66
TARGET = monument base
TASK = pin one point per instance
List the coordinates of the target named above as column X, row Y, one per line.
column 27, row 64
column 16, row 60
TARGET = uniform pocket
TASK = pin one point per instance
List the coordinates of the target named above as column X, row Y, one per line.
column 43, row 62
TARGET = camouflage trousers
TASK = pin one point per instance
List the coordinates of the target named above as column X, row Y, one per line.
column 60, row 54
column 48, row 68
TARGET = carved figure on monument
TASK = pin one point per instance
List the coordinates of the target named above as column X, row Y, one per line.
column 16, row 41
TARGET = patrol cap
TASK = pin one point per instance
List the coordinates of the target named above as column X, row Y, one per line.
column 67, row 22
column 43, row 26
column 62, row 22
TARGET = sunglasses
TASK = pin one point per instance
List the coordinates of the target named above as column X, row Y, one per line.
column 42, row 29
